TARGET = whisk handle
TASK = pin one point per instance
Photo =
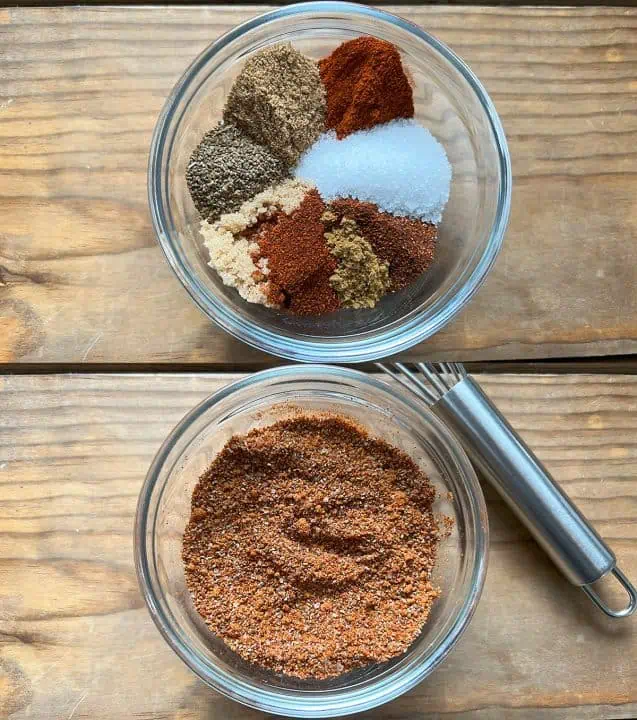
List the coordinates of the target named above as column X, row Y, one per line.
column 526, row 485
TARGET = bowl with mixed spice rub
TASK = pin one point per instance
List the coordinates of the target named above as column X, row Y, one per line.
column 310, row 541
column 329, row 182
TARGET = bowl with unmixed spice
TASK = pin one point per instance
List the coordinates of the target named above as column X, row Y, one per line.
column 329, row 182
column 311, row 542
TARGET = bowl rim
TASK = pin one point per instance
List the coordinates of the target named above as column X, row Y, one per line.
column 401, row 334
column 344, row 701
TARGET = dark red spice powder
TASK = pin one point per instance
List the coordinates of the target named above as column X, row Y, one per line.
column 299, row 259
column 407, row 245
column 365, row 85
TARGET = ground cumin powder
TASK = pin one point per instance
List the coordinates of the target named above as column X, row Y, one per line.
column 310, row 547
column 407, row 245
column 278, row 99
column 361, row 279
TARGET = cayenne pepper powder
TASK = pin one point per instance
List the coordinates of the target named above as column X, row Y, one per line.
column 407, row 245
column 365, row 85
column 310, row 547
column 299, row 261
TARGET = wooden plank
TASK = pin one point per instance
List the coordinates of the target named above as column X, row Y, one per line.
column 82, row 280
column 395, row 3
column 77, row 642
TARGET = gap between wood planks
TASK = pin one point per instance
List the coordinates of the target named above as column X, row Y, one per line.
column 619, row 364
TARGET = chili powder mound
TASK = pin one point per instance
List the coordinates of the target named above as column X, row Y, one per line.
column 299, row 261
column 365, row 86
column 310, row 547
column 407, row 245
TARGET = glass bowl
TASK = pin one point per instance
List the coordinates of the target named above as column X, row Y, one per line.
column 449, row 100
column 164, row 509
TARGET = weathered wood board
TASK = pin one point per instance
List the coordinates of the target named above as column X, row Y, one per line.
column 76, row 641
column 82, row 280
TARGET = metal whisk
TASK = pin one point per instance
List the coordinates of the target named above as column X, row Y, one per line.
column 524, row 483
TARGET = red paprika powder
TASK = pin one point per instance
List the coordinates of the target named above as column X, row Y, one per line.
column 365, row 85
column 299, row 260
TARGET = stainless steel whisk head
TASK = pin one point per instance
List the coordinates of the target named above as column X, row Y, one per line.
column 512, row 468
column 440, row 381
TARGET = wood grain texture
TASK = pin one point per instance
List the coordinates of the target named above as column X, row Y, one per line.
column 76, row 641
column 395, row 3
column 81, row 278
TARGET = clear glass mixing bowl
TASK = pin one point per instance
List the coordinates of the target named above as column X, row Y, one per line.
column 449, row 100
column 164, row 509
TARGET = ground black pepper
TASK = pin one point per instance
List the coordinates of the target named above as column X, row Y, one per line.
column 227, row 168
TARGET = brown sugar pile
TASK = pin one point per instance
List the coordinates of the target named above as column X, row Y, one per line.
column 310, row 547
column 407, row 245
column 365, row 85
column 299, row 260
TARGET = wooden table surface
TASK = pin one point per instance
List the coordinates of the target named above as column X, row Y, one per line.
column 80, row 93
column 84, row 291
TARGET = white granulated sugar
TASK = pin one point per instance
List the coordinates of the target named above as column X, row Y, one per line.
column 399, row 166
column 232, row 255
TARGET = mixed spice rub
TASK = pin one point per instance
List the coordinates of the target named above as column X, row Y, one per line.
column 311, row 545
column 319, row 191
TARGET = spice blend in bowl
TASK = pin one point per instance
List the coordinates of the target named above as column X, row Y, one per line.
column 338, row 136
column 338, row 526
column 343, row 128
column 311, row 545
